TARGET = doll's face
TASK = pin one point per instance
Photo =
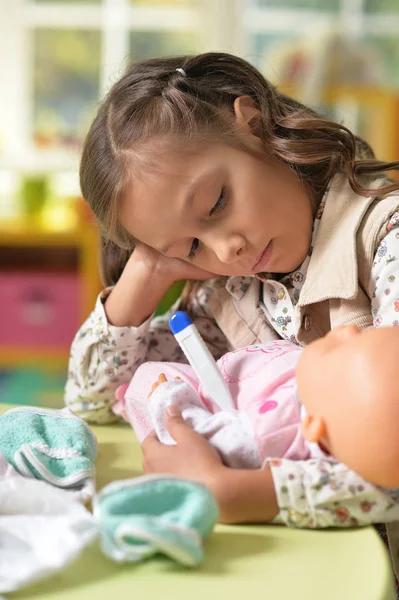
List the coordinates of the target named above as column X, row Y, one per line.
column 347, row 382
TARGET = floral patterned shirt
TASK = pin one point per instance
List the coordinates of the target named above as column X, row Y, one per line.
column 384, row 280
column 281, row 297
column 313, row 493
column 320, row 493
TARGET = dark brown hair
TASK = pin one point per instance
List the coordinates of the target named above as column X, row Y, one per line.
column 154, row 102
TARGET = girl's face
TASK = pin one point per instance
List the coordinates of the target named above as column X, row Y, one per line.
column 222, row 209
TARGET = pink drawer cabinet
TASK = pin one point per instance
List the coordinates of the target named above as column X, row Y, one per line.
column 38, row 309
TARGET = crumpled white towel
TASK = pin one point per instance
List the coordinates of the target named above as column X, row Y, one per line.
column 230, row 433
column 42, row 529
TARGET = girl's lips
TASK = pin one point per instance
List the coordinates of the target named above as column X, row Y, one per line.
column 264, row 257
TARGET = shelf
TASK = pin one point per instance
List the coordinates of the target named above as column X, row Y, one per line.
column 47, row 358
column 23, row 233
column 47, row 248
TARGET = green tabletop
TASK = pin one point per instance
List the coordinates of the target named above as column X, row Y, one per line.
column 248, row 562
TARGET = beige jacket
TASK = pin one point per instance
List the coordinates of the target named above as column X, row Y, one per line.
column 336, row 284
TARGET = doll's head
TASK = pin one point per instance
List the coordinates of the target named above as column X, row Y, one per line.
column 348, row 384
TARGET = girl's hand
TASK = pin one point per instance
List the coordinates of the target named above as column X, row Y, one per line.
column 243, row 495
column 192, row 458
column 147, row 276
column 165, row 268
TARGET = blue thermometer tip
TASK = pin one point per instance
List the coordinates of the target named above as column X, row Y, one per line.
column 179, row 321
column 201, row 360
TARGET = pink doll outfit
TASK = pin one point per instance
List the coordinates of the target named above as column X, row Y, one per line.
column 262, row 383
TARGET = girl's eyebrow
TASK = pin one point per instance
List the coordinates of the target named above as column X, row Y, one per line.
column 192, row 189
column 189, row 198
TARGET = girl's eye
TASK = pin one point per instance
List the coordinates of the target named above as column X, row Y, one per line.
column 193, row 249
column 220, row 204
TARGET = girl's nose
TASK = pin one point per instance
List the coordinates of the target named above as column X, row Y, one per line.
column 229, row 250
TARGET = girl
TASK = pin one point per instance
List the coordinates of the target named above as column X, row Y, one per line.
column 199, row 169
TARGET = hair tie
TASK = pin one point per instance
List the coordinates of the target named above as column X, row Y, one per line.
column 181, row 71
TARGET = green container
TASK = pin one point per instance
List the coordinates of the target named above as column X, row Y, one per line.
column 170, row 297
column 34, row 193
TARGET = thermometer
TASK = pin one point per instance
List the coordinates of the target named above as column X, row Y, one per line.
column 201, row 360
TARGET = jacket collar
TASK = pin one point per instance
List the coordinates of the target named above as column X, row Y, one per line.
column 333, row 270
column 238, row 285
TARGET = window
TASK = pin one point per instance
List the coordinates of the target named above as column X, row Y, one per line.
column 58, row 57
column 66, row 85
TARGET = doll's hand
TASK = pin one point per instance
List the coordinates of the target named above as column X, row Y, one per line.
column 119, row 408
column 161, row 379
column 192, row 458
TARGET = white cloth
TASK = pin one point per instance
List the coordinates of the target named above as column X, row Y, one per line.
column 42, row 528
column 230, row 433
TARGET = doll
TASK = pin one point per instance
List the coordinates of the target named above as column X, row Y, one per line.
column 335, row 399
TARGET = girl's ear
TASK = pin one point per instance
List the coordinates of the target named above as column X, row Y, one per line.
column 247, row 116
column 313, row 428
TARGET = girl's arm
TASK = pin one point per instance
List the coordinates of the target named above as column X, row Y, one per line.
column 246, row 496
column 109, row 347
column 142, row 284
column 139, row 289
column 315, row 493
column 319, row 493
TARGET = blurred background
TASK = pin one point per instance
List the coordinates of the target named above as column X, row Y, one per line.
column 59, row 57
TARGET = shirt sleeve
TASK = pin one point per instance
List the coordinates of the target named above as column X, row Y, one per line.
column 384, row 278
column 103, row 356
column 318, row 493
